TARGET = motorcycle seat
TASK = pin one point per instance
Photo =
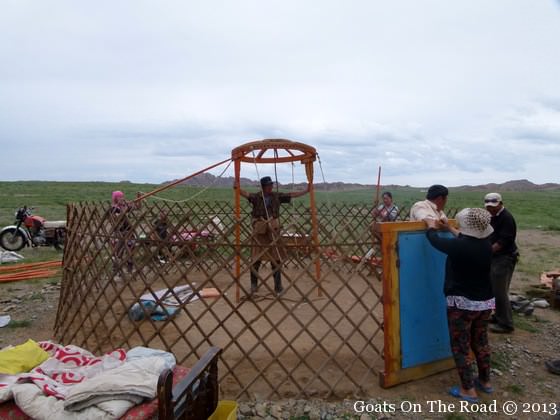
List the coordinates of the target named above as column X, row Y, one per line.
column 55, row 224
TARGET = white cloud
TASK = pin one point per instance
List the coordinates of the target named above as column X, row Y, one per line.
column 433, row 91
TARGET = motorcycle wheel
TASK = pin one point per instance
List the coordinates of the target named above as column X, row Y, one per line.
column 12, row 240
column 59, row 238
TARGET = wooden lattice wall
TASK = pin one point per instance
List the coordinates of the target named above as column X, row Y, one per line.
column 323, row 337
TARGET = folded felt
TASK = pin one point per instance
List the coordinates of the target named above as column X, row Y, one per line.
column 132, row 381
column 31, row 400
column 140, row 352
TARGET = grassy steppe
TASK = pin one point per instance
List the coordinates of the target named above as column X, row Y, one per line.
column 532, row 210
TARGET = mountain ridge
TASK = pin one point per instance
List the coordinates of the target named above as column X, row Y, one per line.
column 209, row 180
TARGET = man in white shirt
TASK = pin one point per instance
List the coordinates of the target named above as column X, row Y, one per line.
column 432, row 207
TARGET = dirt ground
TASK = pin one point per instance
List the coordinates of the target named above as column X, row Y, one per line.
column 254, row 333
column 518, row 359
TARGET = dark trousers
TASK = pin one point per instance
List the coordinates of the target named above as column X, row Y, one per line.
column 468, row 330
column 122, row 252
column 276, row 273
column 502, row 271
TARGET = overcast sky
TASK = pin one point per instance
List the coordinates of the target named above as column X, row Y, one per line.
column 438, row 91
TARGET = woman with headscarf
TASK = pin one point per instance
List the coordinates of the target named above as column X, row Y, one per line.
column 470, row 300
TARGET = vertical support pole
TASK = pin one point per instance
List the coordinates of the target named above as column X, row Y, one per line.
column 378, row 189
column 64, row 282
column 237, row 169
column 314, row 226
column 391, row 306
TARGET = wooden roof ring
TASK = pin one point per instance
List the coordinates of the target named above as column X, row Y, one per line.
column 256, row 152
column 268, row 151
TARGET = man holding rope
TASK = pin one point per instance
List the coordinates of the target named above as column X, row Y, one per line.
column 266, row 237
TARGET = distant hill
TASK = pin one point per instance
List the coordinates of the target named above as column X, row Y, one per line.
column 209, row 180
column 516, row 185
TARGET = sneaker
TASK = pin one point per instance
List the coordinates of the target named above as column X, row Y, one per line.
column 279, row 292
column 500, row 329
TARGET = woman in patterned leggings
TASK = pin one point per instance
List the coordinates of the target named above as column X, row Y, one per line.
column 470, row 301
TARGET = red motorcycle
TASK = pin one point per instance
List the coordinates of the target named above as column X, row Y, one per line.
column 30, row 230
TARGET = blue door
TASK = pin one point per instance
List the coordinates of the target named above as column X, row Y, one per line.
column 424, row 333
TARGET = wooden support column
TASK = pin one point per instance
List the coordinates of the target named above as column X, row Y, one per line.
column 237, row 170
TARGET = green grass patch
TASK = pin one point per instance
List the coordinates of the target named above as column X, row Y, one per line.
column 515, row 389
column 538, row 291
column 524, row 323
column 500, row 360
column 38, row 282
column 532, row 209
column 24, row 323
column 37, row 296
column 540, row 320
column 40, row 254
column 542, row 258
